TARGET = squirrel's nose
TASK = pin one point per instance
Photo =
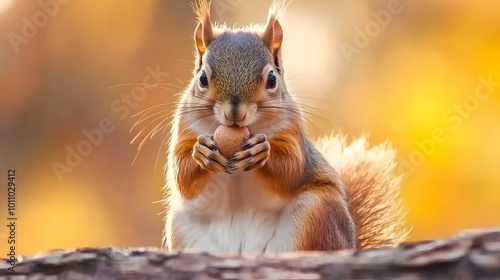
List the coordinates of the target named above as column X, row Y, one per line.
column 235, row 101
column 234, row 109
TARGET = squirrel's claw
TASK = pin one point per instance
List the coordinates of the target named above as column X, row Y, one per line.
column 255, row 154
column 254, row 140
column 206, row 154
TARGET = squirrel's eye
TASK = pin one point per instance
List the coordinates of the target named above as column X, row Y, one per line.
column 271, row 80
column 203, row 79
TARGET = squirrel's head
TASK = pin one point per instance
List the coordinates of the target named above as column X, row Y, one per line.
column 238, row 75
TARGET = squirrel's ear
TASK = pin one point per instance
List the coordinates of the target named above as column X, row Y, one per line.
column 273, row 35
column 204, row 33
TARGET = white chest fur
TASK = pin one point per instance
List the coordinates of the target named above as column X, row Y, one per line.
column 236, row 214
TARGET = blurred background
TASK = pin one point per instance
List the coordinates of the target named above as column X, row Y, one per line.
column 424, row 75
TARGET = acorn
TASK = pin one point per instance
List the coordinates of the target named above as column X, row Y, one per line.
column 230, row 139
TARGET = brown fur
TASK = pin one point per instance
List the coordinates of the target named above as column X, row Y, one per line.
column 354, row 190
column 282, row 172
column 191, row 178
column 326, row 226
column 372, row 186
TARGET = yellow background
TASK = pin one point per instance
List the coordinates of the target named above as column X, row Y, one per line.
column 402, row 84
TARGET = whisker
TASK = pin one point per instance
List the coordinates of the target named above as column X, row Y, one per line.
column 139, row 148
column 140, row 132
column 194, row 111
column 294, row 76
column 307, row 120
column 149, row 109
column 305, row 106
column 298, row 111
column 151, row 133
column 144, row 86
column 183, row 106
column 310, row 98
column 159, row 149
column 137, row 135
column 180, row 81
column 144, row 118
column 199, row 119
column 158, row 128
column 206, row 98
column 294, row 102
column 166, row 104
column 301, row 104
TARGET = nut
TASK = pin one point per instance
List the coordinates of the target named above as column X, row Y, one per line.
column 230, row 139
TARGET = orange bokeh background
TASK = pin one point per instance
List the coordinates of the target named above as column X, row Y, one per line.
column 412, row 73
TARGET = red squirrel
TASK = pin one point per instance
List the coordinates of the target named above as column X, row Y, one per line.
column 280, row 193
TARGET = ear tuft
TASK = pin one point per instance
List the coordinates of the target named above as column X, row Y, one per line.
column 278, row 8
column 204, row 33
column 273, row 33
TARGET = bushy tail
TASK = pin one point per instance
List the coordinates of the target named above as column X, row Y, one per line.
column 373, row 188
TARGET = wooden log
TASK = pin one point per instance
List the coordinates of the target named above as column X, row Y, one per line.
column 468, row 255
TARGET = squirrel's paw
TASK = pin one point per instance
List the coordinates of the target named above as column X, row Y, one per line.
column 255, row 154
column 206, row 154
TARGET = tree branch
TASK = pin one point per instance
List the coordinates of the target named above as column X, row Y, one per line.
column 469, row 255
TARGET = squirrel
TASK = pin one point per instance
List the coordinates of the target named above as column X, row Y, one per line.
column 281, row 192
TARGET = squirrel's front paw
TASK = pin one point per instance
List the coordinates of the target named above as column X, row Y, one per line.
column 255, row 154
column 206, row 154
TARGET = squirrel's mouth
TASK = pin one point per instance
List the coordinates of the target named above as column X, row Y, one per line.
column 240, row 115
column 235, row 122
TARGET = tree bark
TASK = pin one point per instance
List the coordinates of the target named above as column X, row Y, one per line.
column 468, row 255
